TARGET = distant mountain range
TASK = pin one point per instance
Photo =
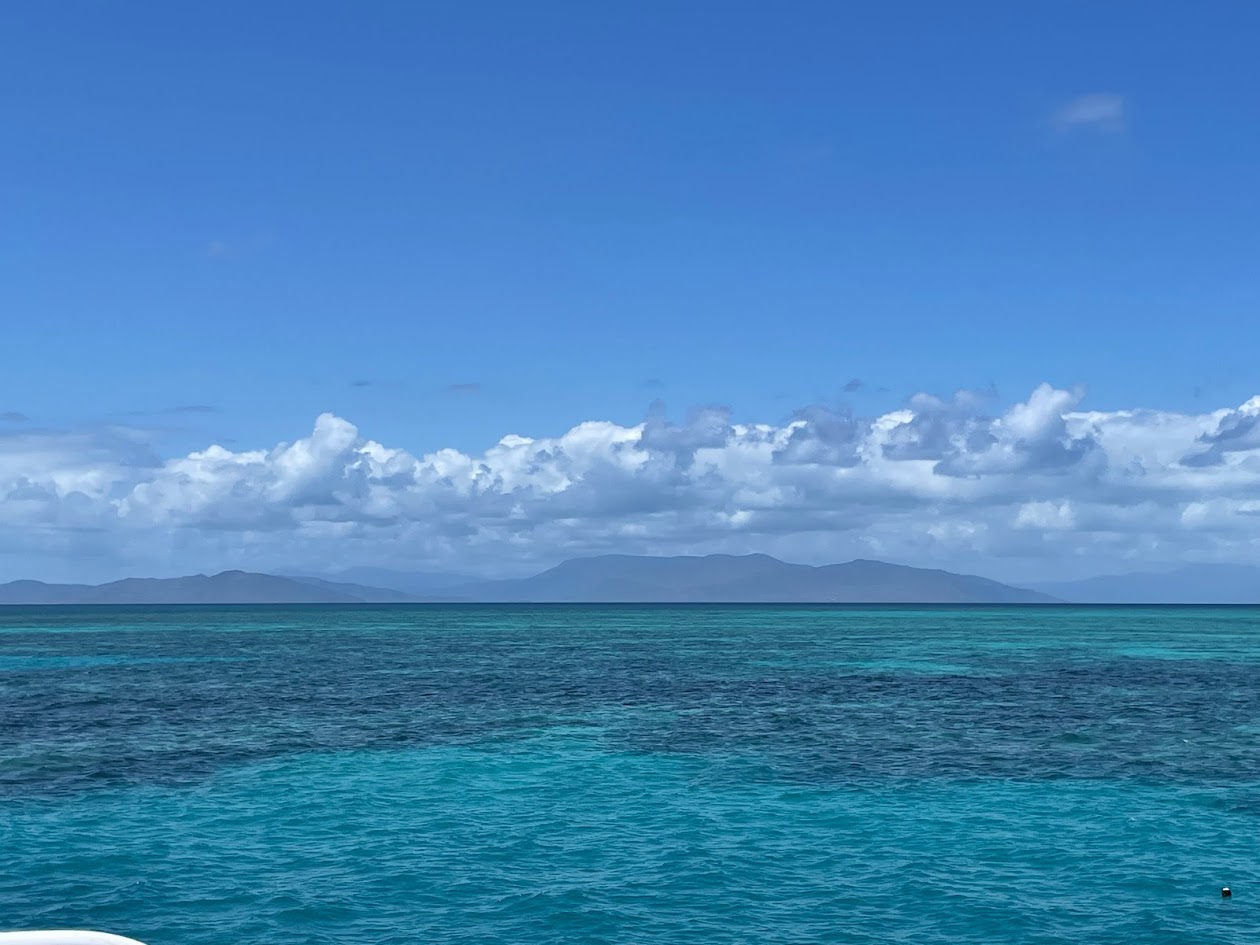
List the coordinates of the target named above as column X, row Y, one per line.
column 746, row 578
column 631, row 579
column 611, row 578
column 1192, row 584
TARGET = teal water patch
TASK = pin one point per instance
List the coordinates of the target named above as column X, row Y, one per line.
column 576, row 844
column 634, row 775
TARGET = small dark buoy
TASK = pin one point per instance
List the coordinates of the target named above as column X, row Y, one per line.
column 1225, row 893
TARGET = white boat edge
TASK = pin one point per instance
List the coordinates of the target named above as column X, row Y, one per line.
column 64, row 937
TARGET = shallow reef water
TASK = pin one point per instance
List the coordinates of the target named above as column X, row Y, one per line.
column 631, row 774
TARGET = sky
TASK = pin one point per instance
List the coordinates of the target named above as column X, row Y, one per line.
column 482, row 286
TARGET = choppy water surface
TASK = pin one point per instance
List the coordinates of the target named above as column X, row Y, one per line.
column 632, row 774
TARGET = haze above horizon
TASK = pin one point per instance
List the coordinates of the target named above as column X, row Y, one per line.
column 481, row 288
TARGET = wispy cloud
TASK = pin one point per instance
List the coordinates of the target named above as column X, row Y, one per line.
column 246, row 245
column 12, row 416
column 853, row 386
column 1098, row 111
column 179, row 409
column 468, row 388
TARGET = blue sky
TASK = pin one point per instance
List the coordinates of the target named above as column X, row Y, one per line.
column 452, row 222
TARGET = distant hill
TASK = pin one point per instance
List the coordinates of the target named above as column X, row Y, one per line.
column 359, row 592
column 229, row 587
column 1192, row 584
column 747, row 578
column 416, row 583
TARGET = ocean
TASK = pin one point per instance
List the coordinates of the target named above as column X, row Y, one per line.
column 631, row 774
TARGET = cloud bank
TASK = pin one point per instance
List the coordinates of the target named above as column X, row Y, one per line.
column 1039, row 488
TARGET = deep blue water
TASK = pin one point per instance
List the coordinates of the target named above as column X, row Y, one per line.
column 692, row 774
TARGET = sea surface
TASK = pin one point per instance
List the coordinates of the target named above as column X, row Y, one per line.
column 632, row 774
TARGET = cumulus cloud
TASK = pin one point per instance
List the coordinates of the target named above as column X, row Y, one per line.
column 819, row 435
column 940, row 481
column 1099, row 111
column 1236, row 432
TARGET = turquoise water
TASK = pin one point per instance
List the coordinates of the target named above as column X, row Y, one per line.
column 632, row 774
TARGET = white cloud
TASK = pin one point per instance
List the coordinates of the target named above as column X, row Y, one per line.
column 1101, row 111
column 1046, row 516
column 1038, row 487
